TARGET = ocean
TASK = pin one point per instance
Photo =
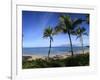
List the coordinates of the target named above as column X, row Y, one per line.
column 54, row 50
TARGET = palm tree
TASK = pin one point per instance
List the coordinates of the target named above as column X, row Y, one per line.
column 80, row 31
column 66, row 26
column 48, row 33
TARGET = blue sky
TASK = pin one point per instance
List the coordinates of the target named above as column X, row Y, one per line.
column 34, row 23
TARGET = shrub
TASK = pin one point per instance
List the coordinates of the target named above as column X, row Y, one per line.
column 76, row 60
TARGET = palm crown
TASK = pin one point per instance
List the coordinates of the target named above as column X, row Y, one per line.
column 80, row 31
column 48, row 32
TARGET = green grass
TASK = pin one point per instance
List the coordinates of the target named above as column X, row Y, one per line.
column 77, row 60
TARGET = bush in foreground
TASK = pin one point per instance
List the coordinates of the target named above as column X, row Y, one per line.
column 76, row 60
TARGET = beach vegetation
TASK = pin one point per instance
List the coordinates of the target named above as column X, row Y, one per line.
column 71, row 61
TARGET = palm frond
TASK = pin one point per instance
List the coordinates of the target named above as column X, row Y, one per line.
column 77, row 22
column 73, row 32
column 58, row 28
column 80, row 31
column 47, row 32
column 67, row 21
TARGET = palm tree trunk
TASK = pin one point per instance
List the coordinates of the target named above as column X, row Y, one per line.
column 49, row 49
column 81, row 40
column 70, row 43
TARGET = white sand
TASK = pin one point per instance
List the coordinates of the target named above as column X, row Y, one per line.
column 60, row 56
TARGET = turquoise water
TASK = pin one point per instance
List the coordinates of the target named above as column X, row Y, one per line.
column 54, row 50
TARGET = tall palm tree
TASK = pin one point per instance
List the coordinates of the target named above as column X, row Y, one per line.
column 66, row 26
column 80, row 31
column 48, row 33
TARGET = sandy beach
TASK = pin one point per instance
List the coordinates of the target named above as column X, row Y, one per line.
column 60, row 56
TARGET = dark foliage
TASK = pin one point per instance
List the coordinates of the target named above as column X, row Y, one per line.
column 76, row 60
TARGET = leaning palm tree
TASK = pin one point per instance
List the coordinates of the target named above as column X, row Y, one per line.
column 80, row 31
column 48, row 33
column 66, row 26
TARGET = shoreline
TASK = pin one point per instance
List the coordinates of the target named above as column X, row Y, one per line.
column 60, row 56
column 52, row 54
